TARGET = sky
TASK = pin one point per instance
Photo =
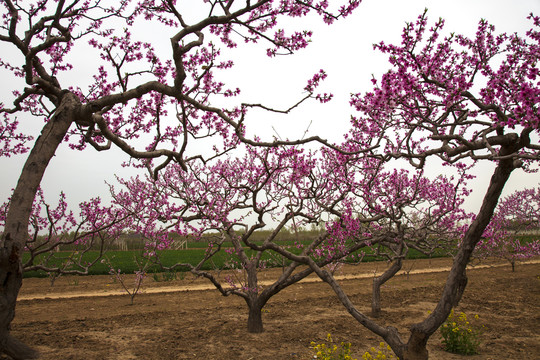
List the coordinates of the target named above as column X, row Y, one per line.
column 344, row 50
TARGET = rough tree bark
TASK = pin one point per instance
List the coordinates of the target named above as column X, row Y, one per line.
column 255, row 324
column 15, row 235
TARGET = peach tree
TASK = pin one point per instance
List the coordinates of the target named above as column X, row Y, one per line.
column 364, row 209
column 458, row 100
column 148, row 102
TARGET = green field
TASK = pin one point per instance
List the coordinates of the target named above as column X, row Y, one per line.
column 125, row 260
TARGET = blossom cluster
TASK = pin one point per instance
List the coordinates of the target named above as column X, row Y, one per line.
column 135, row 89
column 11, row 141
column 427, row 104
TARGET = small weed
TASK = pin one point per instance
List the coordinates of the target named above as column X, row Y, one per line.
column 331, row 351
column 459, row 335
column 384, row 352
column 169, row 276
column 343, row 351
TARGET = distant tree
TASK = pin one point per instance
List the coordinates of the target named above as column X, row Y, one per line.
column 516, row 213
column 229, row 202
column 54, row 227
column 233, row 198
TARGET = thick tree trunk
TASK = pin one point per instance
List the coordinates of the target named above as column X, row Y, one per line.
column 254, row 302
column 457, row 280
column 416, row 347
column 255, row 324
column 16, row 225
column 378, row 282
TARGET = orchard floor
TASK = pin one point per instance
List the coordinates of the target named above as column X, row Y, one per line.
column 78, row 318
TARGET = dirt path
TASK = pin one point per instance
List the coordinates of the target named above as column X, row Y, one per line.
column 208, row 286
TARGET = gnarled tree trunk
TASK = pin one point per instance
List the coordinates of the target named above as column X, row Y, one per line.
column 415, row 348
column 16, row 226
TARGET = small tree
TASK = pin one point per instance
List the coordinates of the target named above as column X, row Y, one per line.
column 230, row 200
column 408, row 210
column 140, row 274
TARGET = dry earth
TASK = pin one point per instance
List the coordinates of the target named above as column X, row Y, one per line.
column 81, row 318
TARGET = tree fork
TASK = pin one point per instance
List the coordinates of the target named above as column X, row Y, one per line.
column 16, row 225
column 416, row 347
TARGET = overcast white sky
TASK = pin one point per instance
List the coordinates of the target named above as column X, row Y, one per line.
column 344, row 50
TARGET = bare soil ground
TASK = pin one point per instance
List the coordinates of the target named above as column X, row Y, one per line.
column 81, row 318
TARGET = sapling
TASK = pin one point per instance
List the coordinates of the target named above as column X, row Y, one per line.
column 140, row 275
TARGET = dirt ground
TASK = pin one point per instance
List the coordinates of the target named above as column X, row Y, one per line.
column 82, row 318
